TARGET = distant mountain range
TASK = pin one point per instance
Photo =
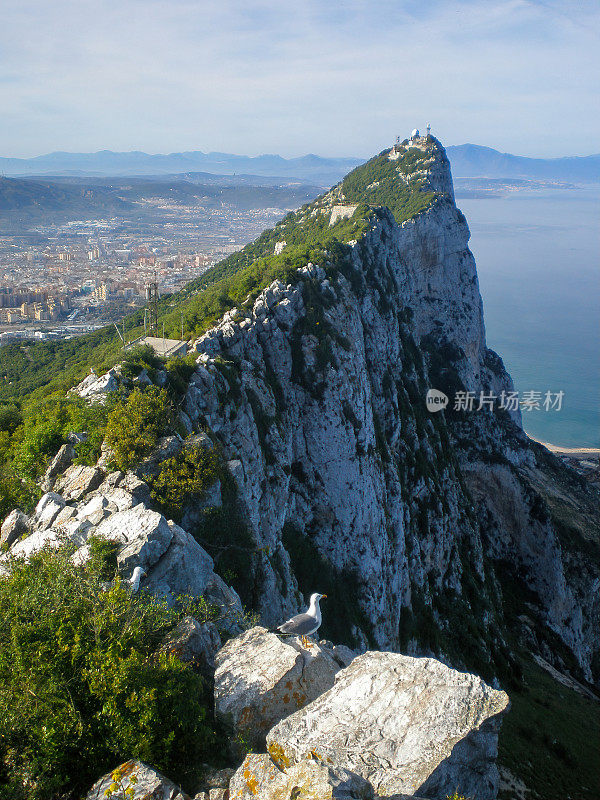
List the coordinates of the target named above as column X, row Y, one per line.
column 315, row 169
column 473, row 160
column 468, row 160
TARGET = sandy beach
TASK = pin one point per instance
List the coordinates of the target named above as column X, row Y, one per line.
column 580, row 453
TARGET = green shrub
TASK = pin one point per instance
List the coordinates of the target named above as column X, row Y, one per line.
column 47, row 425
column 10, row 417
column 179, row 371
column 84, row 683
column 184, row 478
column 136, row 423
column 16, row 492
column 138, row 358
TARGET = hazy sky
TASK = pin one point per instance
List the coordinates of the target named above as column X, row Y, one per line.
column 335, row 77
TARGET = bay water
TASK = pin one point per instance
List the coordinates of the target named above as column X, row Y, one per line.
column 538, row 259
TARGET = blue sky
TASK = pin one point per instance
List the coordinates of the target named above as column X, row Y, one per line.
column 340, row 77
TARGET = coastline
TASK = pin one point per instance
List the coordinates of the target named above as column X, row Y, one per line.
column 580, row 453
column 584, row 460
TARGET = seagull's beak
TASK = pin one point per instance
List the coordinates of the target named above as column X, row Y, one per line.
column 323, row 595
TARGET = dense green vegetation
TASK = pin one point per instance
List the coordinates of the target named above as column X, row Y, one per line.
column 25, row 367
column 33, row 429
column 83, row 681
column 135, row 425
column 184, row 479
column 380, row 182
column 30, row 435
column 550, row 738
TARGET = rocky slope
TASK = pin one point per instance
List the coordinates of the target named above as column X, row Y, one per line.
column 317, row 396
column 446, row 534
column 443, row 533
column 328, row 723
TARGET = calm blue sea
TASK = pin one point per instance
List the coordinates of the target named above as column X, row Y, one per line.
column 538, row 259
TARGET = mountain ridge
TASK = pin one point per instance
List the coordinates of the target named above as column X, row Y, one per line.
column 468, row 160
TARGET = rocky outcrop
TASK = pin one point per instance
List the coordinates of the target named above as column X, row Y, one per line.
column 389, row 725
column 148, row 784
column 78, row 480
column 96, row 388
column 196, row 644
column 312, row 779
column 60, row 462
column 46, row 511
column 15, row 526
column 406, row 725
column 316, row 395
column 260, row 680
column 113, row 507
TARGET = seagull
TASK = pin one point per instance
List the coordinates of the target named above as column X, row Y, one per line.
column 134, row 581
column 304, row 624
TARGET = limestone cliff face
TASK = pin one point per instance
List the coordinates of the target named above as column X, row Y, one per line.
column 317, row 397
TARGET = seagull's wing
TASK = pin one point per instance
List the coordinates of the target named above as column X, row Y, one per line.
column 301, row 625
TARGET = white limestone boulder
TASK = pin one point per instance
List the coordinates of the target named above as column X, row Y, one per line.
column 46, row 511
column 78, row 480
column 260, row 777
column 33, row 543
column 13, row 528
column 260, row 680
column 61, row 461
column 407, row 725
column 144, row 536
column 149, row 784
column 96, row 388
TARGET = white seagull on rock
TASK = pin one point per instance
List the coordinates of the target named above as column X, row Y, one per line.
column 134, row 581
column 304, row 624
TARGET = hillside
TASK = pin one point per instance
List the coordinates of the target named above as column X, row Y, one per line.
column 30, row 201
column 294, row 446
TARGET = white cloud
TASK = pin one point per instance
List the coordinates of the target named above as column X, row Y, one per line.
column 261, row 75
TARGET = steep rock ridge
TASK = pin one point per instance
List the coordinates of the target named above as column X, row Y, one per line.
column 317, row 396
column 115, row 507
column 447, row 534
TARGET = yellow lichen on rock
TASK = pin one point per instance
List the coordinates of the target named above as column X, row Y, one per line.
column 278, row 755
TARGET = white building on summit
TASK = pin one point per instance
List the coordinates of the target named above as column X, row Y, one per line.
column 415, row 140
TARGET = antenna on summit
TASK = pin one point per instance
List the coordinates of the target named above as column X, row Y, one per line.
column 428, row 129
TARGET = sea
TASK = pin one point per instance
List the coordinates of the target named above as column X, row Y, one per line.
column 538, row 260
